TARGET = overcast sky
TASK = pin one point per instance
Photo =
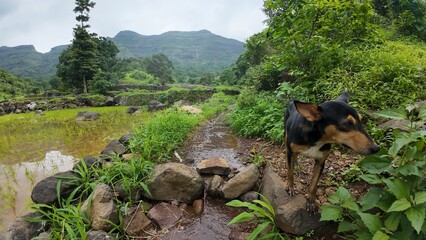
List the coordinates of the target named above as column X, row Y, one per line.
column 49, row 23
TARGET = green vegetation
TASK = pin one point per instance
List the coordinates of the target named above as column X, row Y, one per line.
column 167, row 130
column 26, row 137
column 154, row 141
column 263, row 214
column 13, row 86
column 394, row 207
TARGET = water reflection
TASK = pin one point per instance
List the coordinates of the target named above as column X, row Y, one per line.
column 18, row 180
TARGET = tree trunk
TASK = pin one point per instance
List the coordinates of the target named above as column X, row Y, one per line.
column 84, row 84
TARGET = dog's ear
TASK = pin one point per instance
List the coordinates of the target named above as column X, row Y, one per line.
column 344, row 97
column 310, row 112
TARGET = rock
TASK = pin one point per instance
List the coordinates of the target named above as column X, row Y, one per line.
column 291, row 214
column 129, row 156
column 241, row 183
column 249, row 196
column 155, row 105
column 293, row 218
column 110, row 101
column 175, row 181
column 99, row 235
column 125, row 139
column 87, row 116
column 89, row 161
column 43, row 236
column 198, row 206
column 213, row 186
column 134, row 195
column 165, row 215
column 237, row 235
column 44, row 192
column 38, row 112
column 132, row 110
column 31, row 106
column 22, row 229
column 114, row 148
column 135, row 222
column 274, row 188
column 190, row 109
column 103, row 212
column 215, row 165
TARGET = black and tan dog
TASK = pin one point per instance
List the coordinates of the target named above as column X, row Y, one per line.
column 310, row 129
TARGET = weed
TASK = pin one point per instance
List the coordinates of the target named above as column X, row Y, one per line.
column 263, row 214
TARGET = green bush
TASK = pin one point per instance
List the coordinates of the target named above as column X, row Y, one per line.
column 380, row 77
column 258, row 115
column 395, row 205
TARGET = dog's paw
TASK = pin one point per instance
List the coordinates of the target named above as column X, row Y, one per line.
column 311, row 207
column 290, row 191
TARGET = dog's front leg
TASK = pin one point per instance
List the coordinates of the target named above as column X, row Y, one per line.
column 291, row 159
column 311, row 195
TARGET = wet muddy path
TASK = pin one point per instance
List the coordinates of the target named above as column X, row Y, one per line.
column 214, row 139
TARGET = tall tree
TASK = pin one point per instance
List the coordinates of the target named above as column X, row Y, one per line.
column 160, row 66
column 79, row 63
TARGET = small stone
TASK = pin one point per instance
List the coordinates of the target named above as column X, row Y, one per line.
column 215, row 165
column 165, row 215
column 329, row 191
column 136, row 222
column 249, row 196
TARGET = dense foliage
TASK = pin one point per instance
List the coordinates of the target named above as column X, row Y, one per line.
column 12, row 86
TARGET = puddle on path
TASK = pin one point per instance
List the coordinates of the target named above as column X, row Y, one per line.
column 18, row 180
column 211, row 140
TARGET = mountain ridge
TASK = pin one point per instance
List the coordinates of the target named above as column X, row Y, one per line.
column 200, row 50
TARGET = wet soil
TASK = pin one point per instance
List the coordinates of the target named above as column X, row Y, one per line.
column 216, row 139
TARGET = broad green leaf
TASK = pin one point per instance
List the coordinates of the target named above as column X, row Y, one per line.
column 375, row 164
column 372, row 222
column 398, row 188
column 346, row 226
column 416, row 215
column 330, row 212
column 392, row 222
column 402, row 140
column 363, row 234
column 257, row 231
column 237, row 203
column 340, row 196
column 409, row 169
column 420, row 197
column 422, row 114
column 398, row 114
column 386, row 201
column 379, row 235
column 371, row 198
column 242, row 217
column 371, row 178
column 399, row 205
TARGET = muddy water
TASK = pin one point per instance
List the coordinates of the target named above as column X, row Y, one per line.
column 213, row 139
column 18, row 180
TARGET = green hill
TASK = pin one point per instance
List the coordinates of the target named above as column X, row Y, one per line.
column 12, row 85
column 199, row 50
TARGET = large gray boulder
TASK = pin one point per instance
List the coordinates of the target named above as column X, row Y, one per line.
column 291, row 215
column 45, row 192
column 175, row 181
column 241, row 183
column 87, row 116
column 102, row 211
column 155, row 105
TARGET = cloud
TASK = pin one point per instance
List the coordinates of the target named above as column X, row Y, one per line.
column 49, row 23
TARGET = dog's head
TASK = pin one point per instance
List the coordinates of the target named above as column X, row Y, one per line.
column 338, row 123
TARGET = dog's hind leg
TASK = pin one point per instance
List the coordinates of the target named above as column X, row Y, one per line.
column 318, row 168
